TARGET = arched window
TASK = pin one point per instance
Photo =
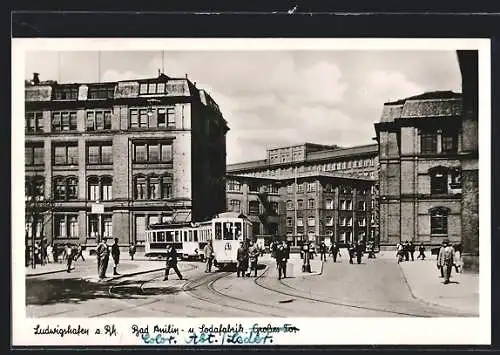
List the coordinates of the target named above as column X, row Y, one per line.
column 107, row 188
column 72, row 183
column 439, row 220
column 154, row 188
column 166, row 187
column 93, row 188
column 59, row 188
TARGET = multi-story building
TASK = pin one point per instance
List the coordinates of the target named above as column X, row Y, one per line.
column 319, row 192
column 420, row 145
column 107, row 159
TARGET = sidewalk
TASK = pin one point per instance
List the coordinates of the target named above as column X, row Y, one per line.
column 461, row 294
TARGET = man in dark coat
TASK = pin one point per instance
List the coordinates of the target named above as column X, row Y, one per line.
column 242, row 260
column 322, row 251
column 115, row 253
column 102, row 258
column 281, row 260
column 411, row 248
column 335, row 251
column 71, row 257
column 359, row 252
column 406, row 249
column 352, row 251
column 171, row 262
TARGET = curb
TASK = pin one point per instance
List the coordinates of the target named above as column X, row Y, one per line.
column 46, row 273
column 433, row 304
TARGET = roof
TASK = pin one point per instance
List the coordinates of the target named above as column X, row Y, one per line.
column 306, row 174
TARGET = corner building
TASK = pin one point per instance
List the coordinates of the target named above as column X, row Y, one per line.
column 108, row 159
column 421, row 142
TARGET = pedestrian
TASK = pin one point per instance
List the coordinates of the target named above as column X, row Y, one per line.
column 351, row 249
column 253, row 254
column 447, row 260
column 322, row 251
column 272, row 249
column 79, row 252
column 335, row 251
column 400, row 252
column 440, row 259
column 38, row 253
column 68, row 250
column 71, row 256
column 171, row 262
column 372, row 250
column 50, row 253
column 102, row 258
column 43, row 251
column 421, row 251
column 131, row 251
column 281, row 260
column 411, row 248
column 115, row 253
column 406, row 249
column 242, row 260
column 459, row 263
column 359, row 252
column 208, row 251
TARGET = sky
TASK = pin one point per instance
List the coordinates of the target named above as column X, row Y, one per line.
column 275, row 98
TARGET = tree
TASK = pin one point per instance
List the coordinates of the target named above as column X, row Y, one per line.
column 37, row 212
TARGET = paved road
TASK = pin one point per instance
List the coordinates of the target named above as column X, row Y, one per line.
column 375, row 288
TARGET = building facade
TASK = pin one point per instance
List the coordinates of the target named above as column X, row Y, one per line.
column 107, row 159
column 420, row 145
column 316, row 193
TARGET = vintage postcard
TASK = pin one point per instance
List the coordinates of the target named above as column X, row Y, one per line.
column 251, row 191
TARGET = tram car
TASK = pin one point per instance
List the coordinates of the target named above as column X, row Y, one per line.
column 187, row 238
column 229, row 229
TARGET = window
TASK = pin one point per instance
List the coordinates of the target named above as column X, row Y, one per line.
column 65, row 154
column 143, row 89
column 448, row 143
column 329, row 204
column 456, row 178
column 311, row 187
column 93, row 187
column 233, row 185
column 101, row 92
column 273, row 189
column 154, row 188
column 154, row 152
column 134, row 118
column 275, row 207
column 34, row 121
column 300, row 222
column 143, row 118
column 98, row 120
column 140, row 229
column 253, row 207
column 349, row 205
column 428, row 143
column 166, row 187
column 34, row 188
column 300, row 188
column 311, row 221
column 362, row 205
column 107, row 226
column 162, row 117
column 253, row 187
column 140, row 188
column 289, row 205
column 329, row 221
column 171, row 117
column 439, row 221
column 342, row 221
column 310, row 203
column 439, row 182
column 289, row 189
column 300, row 204
column 349, row 221
column 289, row 222
column 65, row 188
column 64, row 121
column 328, row 188
column 362, row 222
column 235, row 205
column 34, row 154
column 107, row 188
column 65, row 92
column 343, row 204
column 66, row 226
column 100, row 153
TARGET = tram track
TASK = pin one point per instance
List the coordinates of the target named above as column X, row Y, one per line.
column 295, row 292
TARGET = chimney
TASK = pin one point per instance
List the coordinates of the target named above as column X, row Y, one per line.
column 194, row 83
column 186, row 76
column 36, row 79
column 159, row 72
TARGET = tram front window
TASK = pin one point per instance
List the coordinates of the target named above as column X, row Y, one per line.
column 218, row 230
column 228, row 231
column 169, row 236
column 195, row 236
column 160, row 236
column 238, row 230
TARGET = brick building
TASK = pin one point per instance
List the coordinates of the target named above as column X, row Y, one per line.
column 420, row 144
column 315, row 192
column 107, row 159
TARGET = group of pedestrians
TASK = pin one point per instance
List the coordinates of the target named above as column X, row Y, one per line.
column 48, row 253
column 247, row 258
column 103, row 253
column 407, row 249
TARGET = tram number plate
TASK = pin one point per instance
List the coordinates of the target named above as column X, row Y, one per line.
column 228, row 246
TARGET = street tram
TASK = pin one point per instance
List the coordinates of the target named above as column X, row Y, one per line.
column 226, row 231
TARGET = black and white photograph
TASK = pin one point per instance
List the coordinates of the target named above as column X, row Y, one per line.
column 251, row 179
